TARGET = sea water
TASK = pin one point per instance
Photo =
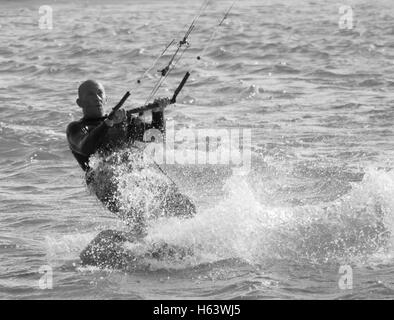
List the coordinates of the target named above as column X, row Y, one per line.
column 311, row 80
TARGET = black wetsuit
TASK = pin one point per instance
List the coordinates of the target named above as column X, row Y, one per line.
column 87, row 136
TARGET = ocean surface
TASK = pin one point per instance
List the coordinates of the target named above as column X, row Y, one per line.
column 317, row 94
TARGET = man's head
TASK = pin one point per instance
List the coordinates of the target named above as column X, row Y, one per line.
column 91, row 98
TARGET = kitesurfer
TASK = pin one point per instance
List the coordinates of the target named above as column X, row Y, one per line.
column 95, row 132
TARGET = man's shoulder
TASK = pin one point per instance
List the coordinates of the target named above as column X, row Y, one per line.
column 74, row 126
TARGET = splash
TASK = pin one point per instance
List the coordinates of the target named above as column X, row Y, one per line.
column 351, row 228
column 134, row 187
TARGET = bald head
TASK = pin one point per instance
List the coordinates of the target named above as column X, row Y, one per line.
column 87, row 85
column 91, row 98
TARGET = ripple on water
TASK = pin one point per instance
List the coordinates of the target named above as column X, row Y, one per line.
column 263, row 57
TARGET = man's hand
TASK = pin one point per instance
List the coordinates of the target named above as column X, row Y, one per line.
column 162, row 103
column 118, row 117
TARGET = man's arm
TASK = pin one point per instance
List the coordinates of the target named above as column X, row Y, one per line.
column 137, row 126
column 158, row 121
column 83, row 142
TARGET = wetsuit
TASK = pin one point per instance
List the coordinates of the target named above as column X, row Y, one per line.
column 87, row 136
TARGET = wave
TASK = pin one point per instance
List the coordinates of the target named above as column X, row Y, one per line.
column 350, row 105
column 15, row 130
column 358, row 224
column 354, row 228
column 251, row 92
column 371, row 83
